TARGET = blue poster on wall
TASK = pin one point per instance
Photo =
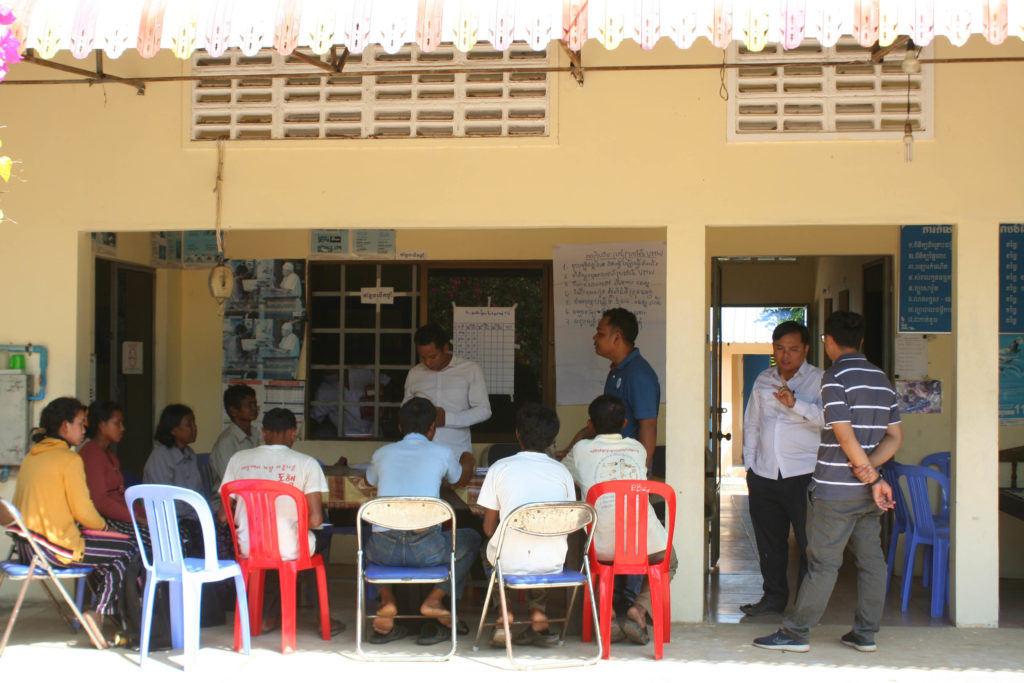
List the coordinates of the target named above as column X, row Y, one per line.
column 926, row 279
column 1011, row 323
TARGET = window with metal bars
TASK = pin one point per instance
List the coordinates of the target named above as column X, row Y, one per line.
column 411, row 94
column 822, row 93
column 360, row 353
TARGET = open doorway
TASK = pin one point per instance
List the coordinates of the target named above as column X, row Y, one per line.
column 753, row 293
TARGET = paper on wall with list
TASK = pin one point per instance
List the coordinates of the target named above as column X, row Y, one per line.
column 911, row 356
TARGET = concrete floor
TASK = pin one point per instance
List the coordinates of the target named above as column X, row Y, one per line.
column 41, row 643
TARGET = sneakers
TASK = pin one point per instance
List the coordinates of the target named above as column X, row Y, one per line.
column 545, row 638
column 780, row 640
column 859, row 643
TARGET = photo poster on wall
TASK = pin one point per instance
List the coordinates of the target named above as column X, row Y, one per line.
column 290, row 394
column 199, row 248
column 926, row 279
column 486, row 335
column 922, row 396
column 104, row 243
column 1011, row 323
column 328, row 243
column 265, row 320
column 166, row 248
column 588, row 280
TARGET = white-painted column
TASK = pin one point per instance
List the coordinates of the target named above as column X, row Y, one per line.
column 974, row 557
column 685, row 428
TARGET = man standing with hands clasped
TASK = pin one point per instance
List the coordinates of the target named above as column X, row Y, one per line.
column 781, row 426
column 847, row 495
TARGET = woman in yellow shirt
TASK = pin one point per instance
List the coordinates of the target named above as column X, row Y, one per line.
column 54, row 501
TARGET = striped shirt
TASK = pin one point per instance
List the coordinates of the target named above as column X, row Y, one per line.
column 855, row 391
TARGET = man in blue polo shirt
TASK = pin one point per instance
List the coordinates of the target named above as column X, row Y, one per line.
column 631, row 379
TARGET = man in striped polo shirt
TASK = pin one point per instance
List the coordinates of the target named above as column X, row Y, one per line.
column 847, row 496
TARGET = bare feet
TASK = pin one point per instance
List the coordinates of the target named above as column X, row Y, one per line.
column 638, row 615
column 433, row 608
column 539, row 619
column 385, row 616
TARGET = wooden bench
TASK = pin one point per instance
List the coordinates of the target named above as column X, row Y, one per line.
column 1011, row 500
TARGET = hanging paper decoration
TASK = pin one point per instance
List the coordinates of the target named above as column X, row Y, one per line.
column 794, row 16
column 83, row 28
column 355, row 34
column 10, row 46
column 184, row 26
column 923, row 28
column 218, row 29
column 467, row 28
column 428, row 24
column 574, row 24
column 499, row 33
column 995, row 21
column 151, row 27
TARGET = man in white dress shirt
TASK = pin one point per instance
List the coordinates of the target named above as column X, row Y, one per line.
column 455, row 385
column 781, row 428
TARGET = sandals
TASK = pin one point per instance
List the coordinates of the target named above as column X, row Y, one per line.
column 545, row 638
column 433, row 633
column 397, row 632
column 635, row 632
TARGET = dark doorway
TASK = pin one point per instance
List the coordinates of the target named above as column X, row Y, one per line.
column 124, row 313
column 878, row 313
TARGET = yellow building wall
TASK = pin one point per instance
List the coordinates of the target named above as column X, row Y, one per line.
column 627, row 150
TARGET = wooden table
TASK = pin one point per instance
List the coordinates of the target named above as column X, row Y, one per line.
column 348, row 489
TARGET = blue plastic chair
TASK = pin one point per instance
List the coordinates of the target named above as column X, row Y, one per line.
column 403, row 514
column 942, row 461
column 185, row 575
column 926, row 529
column 543, row 519
column 900, row 524
column 38, row 568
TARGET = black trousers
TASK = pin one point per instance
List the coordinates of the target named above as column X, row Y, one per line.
column 775, row 506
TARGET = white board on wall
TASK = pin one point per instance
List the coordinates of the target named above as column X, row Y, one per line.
column 588, row 280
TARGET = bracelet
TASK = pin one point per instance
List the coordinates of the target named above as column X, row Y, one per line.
column 876, row 480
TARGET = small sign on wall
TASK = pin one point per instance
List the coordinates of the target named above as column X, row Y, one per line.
column 377, row 295
column 131, row 358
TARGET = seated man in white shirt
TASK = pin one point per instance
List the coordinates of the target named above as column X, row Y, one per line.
column 609, row 456
column 276, row 461
column 530, row 476
column 241, row 406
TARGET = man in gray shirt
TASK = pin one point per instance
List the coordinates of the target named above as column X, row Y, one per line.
column 847, row 495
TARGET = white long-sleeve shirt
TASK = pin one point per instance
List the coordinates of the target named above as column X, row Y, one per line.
column 777, row 439
column 461, row 390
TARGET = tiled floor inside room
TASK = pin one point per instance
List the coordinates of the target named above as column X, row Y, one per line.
column 737, row 580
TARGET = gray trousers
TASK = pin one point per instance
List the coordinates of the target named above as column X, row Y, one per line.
column 831, row 526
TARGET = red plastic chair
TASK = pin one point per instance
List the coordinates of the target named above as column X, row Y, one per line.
column 260, row 497
column 631, row 502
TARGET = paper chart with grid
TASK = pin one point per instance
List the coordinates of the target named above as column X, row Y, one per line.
column 487, row 336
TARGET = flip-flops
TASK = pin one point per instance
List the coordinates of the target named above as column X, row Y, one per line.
column 433, row 633
column 618, row 635
column 545, row 638
column 635, row 632
column 397, row 632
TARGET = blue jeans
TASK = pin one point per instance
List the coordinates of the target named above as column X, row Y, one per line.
column 426, row 549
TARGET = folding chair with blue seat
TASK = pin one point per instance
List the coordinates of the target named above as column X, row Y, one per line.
column 39, row 568
column 402, row 514
column 926, row 529
column 185, row 575
column 543, row 519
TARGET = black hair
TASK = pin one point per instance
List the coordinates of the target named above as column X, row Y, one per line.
column 279, row 420
column 100, row 411
column 846, row 329
column 625, row 322
column 170, row 418
column 57, row 412
column 789, row 327
column 235, row 394
column 608, row 414
column 536, row 427
column 431, row 333
column 416, row 416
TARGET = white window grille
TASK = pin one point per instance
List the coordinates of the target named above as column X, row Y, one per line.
column 804, row 100
column 238, row 97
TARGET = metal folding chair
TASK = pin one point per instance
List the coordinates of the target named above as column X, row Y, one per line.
column 39, row 568
column 402, row 514
column 543, row 519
